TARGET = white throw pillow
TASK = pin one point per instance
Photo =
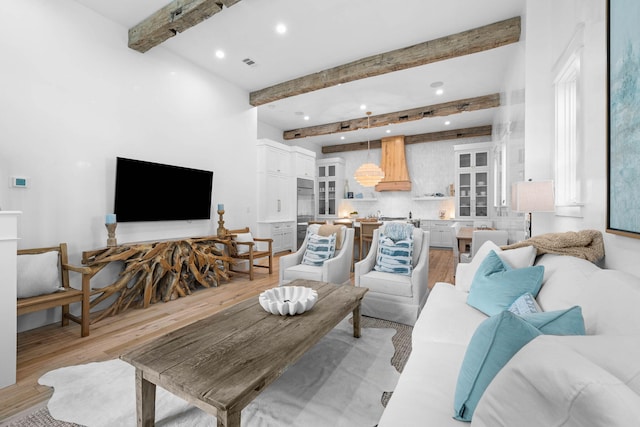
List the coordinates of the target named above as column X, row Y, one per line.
column 38, row 274
column 516, row 258
column 243, row 237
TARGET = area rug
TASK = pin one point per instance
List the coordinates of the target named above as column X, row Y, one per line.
column 339, row 382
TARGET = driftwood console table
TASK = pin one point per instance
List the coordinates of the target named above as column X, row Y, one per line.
column 157, row 271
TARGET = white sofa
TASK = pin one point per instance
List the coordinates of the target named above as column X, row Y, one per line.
column 591, row 380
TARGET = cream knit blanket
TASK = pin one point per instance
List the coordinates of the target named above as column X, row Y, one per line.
column 585, row 244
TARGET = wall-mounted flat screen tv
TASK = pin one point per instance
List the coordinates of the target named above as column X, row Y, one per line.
column 147, row 191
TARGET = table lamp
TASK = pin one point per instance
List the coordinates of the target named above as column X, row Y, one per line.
column 532, row 196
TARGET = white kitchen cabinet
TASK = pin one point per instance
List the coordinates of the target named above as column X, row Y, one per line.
column 276, row 202
column 439, row 232
column 283, row 234
column 276, row 158
column 473, row 180
column 330, row 186
column 276, row 183
column 304, row 163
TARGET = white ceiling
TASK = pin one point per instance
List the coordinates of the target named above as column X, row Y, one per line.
column 327, row 33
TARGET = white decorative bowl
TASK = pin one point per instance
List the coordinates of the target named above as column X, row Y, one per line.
column 288, row 300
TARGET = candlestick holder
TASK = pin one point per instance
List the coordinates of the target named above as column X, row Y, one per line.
column 222, row 232
column 111, row 234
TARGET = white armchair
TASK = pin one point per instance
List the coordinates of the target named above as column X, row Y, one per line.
column 334, row 270
column 391, row 296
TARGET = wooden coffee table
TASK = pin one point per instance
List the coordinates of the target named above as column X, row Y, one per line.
column 221, row 363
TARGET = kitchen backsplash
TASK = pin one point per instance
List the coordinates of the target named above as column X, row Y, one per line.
column 431, row 170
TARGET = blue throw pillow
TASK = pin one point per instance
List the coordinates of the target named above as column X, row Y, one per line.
column 394, row 257
column 496, row 285
column 319, row 249
column 559, row 322
column 493, row 344
column 398, row 231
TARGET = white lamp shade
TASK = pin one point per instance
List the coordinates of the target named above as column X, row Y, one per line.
column 532, row 196
column 368, row 175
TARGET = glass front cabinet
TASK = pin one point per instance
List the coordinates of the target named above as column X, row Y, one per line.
column 473, row 180
column 330, row 186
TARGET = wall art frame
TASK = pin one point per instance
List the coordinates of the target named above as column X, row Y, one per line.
column 623, row 121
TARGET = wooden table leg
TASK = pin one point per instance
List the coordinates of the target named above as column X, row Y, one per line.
column 356, row 321
column 228, row 419
column 145, row 400
column 462, row 245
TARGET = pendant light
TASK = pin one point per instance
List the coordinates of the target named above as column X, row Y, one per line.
column 368, row 174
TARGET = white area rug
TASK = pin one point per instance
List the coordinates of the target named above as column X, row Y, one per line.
column 339, row 382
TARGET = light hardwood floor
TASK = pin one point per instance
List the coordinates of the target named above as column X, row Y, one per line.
column 50, row 347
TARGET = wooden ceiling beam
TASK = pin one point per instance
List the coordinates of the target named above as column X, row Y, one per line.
column 413, row 139
column 174, row 18
column 437, row 110
column 465, row 43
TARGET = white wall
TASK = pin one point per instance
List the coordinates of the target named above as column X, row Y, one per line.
column 549, row 28
column 74, row 97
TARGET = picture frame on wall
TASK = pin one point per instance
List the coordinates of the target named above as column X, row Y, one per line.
column 623, row 145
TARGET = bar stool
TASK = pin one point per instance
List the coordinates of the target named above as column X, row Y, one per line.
column 366, row 235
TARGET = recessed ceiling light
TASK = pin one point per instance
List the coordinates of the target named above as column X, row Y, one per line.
column 281, row 28
column 363, row 107
column 447, row 123
column 306, row 117
column 342, row 137
column 219, row 54
column 439, row 91
column 388, row 131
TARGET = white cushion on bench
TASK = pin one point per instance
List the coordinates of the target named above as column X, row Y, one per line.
column 38, row 274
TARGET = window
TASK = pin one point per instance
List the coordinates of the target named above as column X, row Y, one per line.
column 568, row 124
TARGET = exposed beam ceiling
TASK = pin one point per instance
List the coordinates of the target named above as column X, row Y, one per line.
column 465, row 43
column 437, row 110
column 413, row 139
column 174, row 18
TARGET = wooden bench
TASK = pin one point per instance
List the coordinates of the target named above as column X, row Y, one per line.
column 64, row 297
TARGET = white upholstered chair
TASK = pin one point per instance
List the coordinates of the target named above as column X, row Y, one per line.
column 499, row 237
column 334, row 270
column 391, row 296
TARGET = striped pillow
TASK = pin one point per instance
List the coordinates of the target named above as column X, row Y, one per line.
column 394, row 257
column 319, row 249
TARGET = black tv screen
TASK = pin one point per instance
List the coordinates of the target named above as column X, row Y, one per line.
column 148, row 191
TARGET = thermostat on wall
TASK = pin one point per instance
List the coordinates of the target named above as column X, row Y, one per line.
column 20, row 182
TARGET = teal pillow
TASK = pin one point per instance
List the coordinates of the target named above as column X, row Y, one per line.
column 493, row 344
column 496, row 285
column 559, row 322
